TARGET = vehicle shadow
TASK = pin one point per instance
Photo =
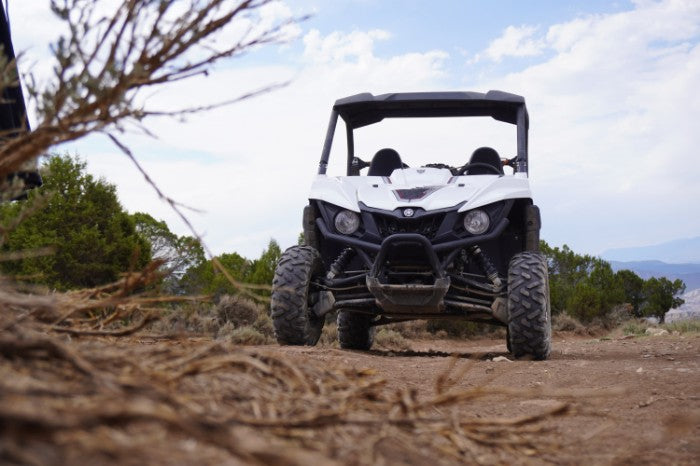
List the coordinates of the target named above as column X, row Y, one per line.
column 474, row 355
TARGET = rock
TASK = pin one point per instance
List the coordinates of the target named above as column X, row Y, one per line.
column 655, row 332
column 501, row 359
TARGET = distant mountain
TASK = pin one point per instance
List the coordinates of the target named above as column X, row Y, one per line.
column 689, row 273
column 680, row 251
column 688, row 310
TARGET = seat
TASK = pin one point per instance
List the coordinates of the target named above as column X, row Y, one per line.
column 485, row 155
column 384, row 162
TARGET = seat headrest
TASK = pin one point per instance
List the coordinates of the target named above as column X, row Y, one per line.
column 486, row 155
column 384, row 162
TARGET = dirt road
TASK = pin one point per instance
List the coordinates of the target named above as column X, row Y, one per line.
column 185, row 400
column 648, row 411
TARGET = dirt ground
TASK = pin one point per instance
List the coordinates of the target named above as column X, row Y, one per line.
column 144, row 400
column 639, row 397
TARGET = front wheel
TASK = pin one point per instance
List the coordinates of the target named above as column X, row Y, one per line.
column 355, row 330
column 529, row 312
column 292, row 317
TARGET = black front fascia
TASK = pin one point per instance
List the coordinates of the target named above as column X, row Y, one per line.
column 442, row 228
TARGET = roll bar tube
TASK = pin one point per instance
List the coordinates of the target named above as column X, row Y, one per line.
column 323, row 164
column 521, row 160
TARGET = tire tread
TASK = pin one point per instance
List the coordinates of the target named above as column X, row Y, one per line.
column 529, row 313
column 292, row 319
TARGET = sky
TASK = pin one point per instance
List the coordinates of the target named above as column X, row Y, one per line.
column 611, row 89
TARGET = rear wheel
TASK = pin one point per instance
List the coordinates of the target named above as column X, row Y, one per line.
column 355, row 330
column 292, row 317
column 529, row 313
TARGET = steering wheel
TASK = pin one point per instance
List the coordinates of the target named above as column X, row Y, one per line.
column 466, row 167
column 437, row 165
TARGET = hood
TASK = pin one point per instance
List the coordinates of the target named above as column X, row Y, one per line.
column 426, row 188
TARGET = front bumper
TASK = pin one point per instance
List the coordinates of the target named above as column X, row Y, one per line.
column 422, row 298
column 408, row 297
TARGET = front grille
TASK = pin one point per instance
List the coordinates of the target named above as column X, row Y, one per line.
column 427, row 226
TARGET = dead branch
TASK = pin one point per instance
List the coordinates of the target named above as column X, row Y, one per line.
column 149, row 317
column 105, row 65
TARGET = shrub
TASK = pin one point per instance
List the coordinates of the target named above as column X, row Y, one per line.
column 414, row 329
column 248, row 336
column 391, row 339
column 80, row 218
column 228, row 319
column 460, row 328
column 189, row 318
column 263, row 324
column 457, row 328
column 225, row 331
column 329, row 335
column 565, row 323
column 619, row 315
column 634, row 327
column 238, row 310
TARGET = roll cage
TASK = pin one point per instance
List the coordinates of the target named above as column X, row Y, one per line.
column 365, row 109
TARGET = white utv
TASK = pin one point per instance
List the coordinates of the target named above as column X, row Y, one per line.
column 434, row 241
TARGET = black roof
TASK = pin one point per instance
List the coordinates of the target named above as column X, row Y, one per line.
column 364, row 109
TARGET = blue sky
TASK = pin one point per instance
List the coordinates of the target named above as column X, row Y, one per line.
column 611, row 88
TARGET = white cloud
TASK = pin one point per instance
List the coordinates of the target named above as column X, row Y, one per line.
column 613, row 104
column 260, row 155
column 338, row 46
column 614, row 126
column 516, row 41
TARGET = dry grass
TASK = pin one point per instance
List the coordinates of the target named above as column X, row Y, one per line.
column 563, row 322
column 683, row 326
column 414, row 329
column 235, row 318
column 238, row 310
column 79, row 392
column 390, row 339
column 329, row 335
column 249, row 336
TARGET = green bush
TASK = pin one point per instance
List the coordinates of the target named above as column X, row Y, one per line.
column 205, row 278
column 94, row 239
column 586, row 288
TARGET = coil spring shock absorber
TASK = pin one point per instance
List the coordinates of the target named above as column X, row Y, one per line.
column 340, row 262
column 486, row 265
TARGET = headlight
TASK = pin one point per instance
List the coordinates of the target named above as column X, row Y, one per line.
column 476, row 222
column 347, row 222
